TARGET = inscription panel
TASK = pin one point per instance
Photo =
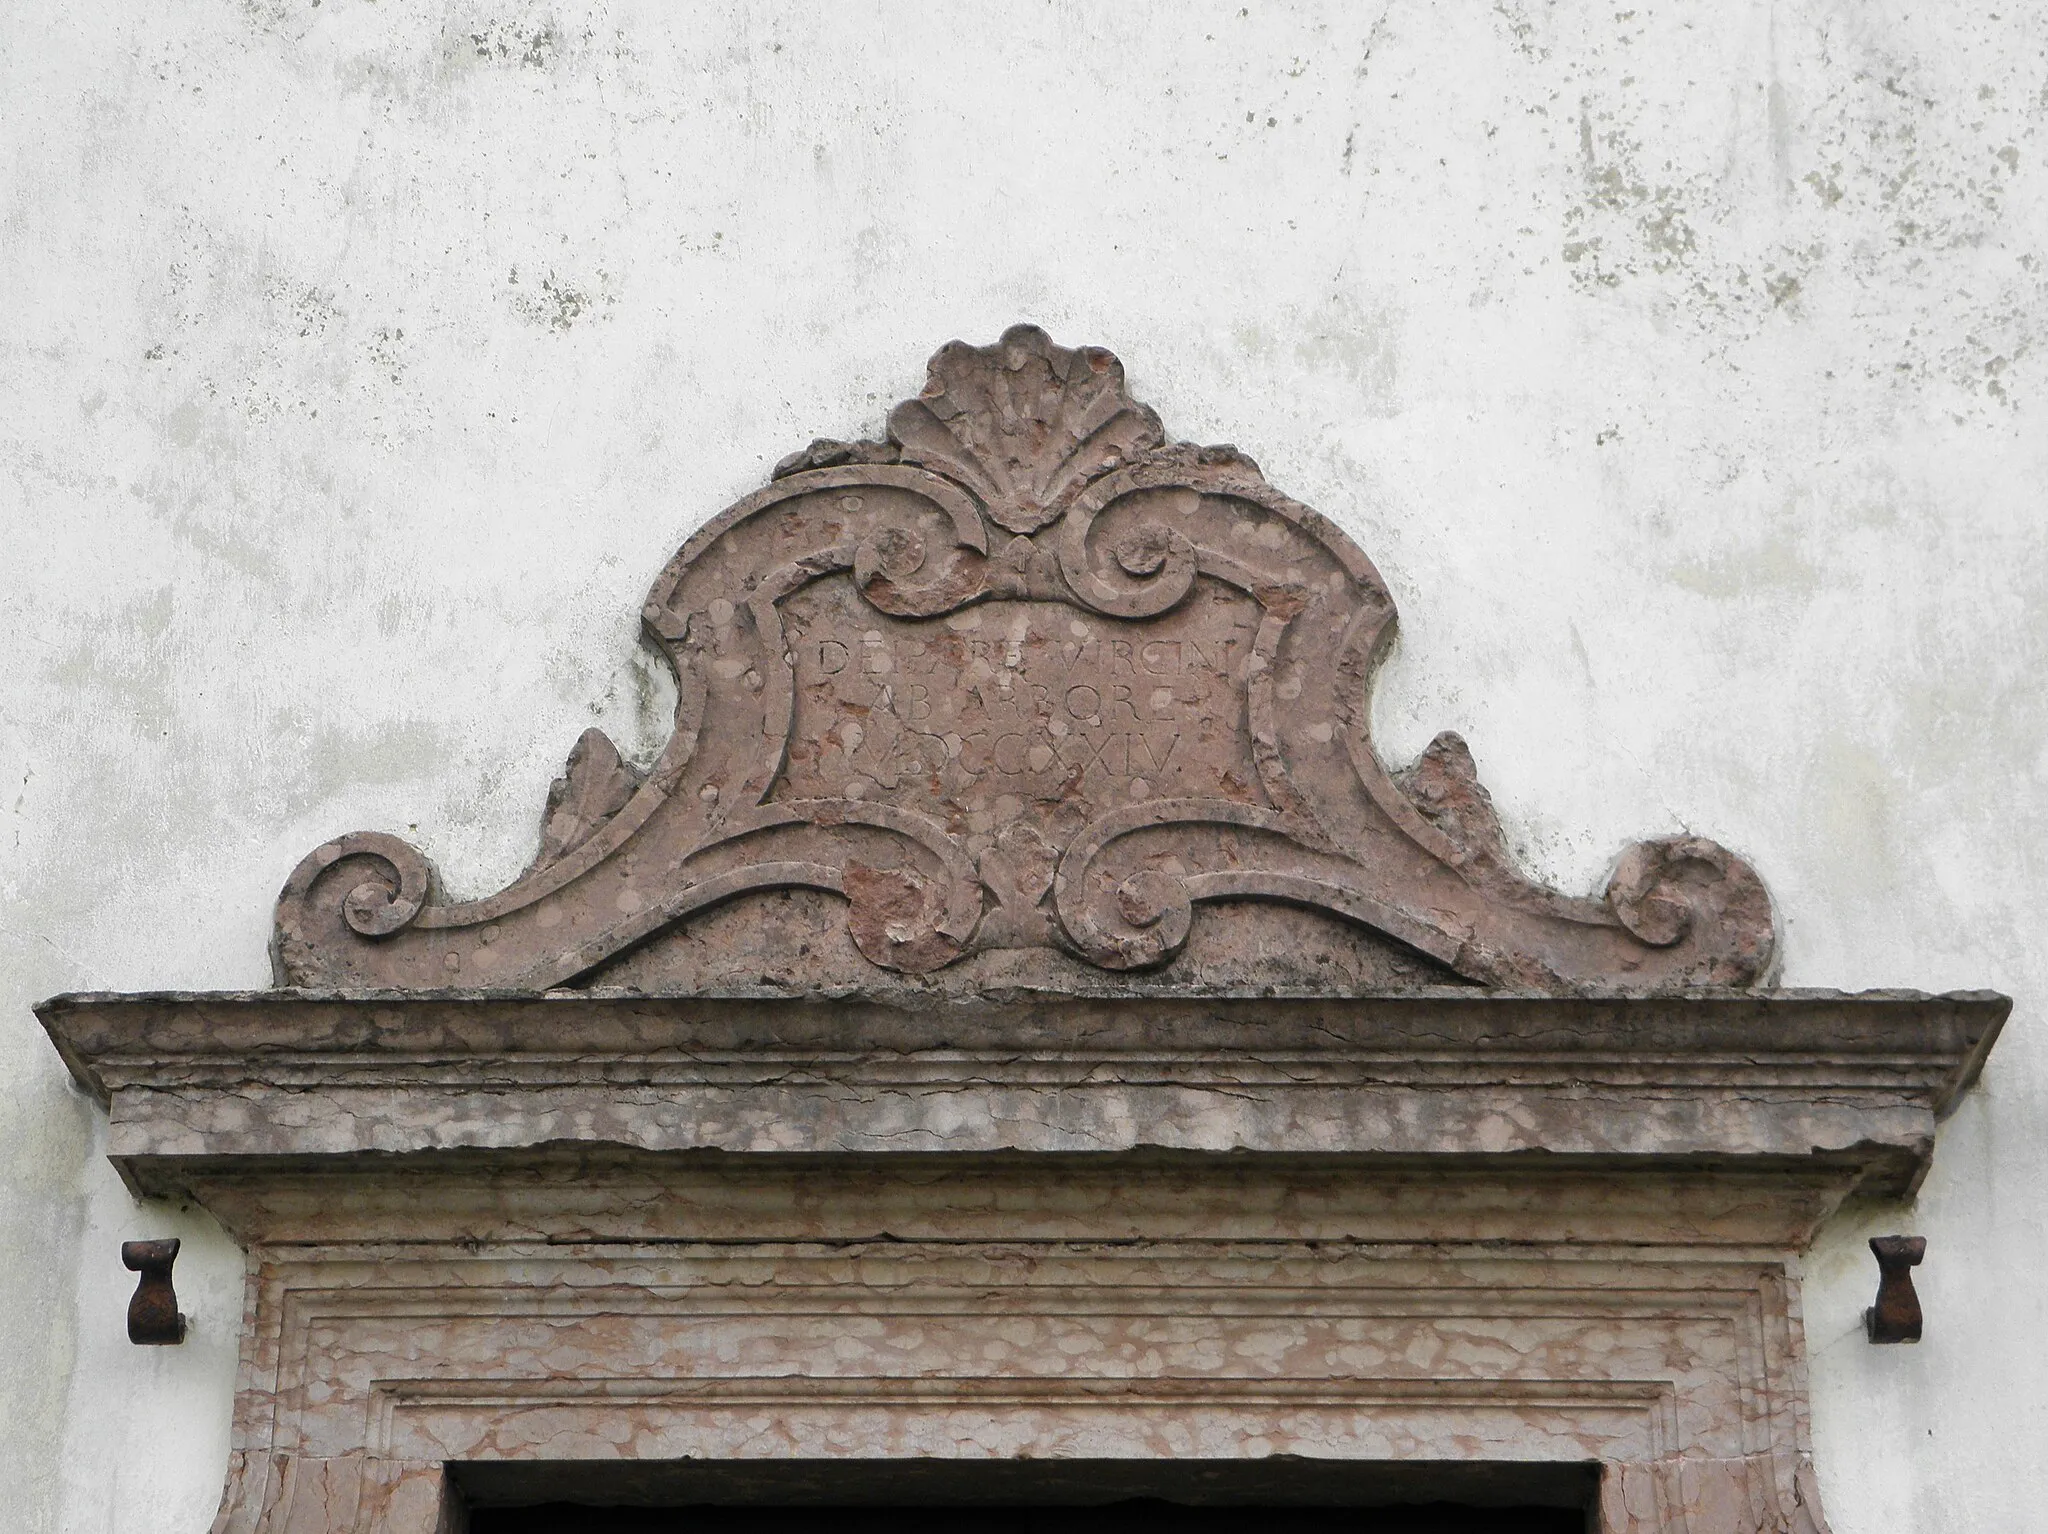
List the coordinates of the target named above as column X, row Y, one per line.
column 1014, row 711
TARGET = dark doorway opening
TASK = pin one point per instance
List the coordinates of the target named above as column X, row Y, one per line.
column 1270, row 1496
column 1144, row 1517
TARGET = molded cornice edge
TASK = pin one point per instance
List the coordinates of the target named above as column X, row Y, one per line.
column 1856, row 1082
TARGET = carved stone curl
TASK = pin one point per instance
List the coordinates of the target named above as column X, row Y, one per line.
column 1025, row 677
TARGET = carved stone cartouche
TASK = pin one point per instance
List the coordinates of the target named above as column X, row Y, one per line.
column 1025, row 677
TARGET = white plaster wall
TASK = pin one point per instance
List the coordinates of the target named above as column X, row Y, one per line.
column 1681, row 366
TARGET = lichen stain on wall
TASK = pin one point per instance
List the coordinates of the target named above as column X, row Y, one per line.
column 1824, row 159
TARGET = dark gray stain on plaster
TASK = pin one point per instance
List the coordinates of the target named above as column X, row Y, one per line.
column 531, row 45
column 1521, row 31
column 387, row 351
column 300, row 307
column 1881, row 171
column 557, row 303
column 1624, row 221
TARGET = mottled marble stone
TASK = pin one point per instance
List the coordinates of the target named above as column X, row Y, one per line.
column 629, row 1229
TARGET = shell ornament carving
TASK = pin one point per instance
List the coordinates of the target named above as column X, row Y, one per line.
column 1023, row 675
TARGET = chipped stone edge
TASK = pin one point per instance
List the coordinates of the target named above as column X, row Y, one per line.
column 1866, row 1076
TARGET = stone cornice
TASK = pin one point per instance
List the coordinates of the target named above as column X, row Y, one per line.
column 1857, row 1081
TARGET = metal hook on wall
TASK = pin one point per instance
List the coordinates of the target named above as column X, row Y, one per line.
column 153, row 1318
column 1896, row 1315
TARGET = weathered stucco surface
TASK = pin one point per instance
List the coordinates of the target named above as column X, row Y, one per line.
column 1678, row 368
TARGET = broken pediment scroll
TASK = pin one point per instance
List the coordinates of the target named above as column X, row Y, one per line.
column 1023, row 679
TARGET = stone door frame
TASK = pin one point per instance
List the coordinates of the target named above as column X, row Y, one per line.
column 1451, row 1227
column 1030, row 967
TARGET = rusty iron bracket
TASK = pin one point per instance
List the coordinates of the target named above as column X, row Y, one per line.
column 1896, row 1315
column 153, row 1319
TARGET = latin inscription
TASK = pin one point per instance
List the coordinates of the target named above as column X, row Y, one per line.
column 1031, row 700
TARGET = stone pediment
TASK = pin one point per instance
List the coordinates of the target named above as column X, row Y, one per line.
column 1023, row 692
